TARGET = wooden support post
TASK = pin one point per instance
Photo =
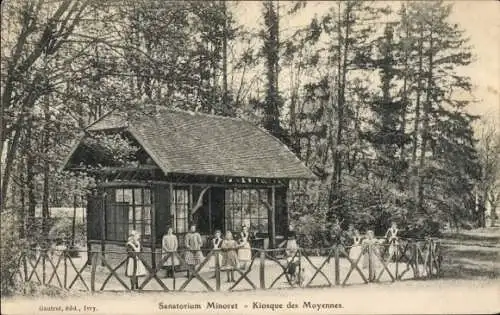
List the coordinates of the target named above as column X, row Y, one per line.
column 272, row 238
column 262, row 274
column 337, row 264
column 210, row 227
column 103, row 225
column 152, row 211
column 217, row 270
column 171, row 209
column 191, row 216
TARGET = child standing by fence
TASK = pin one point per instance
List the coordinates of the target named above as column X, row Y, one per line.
column 231, row 255
column 135, row 267
column 193, row 255
column 356, row 246
column 244, row 251
column 169, row 247
column 392, row 238
column 371, row 254
column 216, row 244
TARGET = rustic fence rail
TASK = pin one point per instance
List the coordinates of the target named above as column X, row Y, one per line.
column 339, row 265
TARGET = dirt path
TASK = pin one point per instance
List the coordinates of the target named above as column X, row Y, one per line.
column 471, row 285
column 423, row 297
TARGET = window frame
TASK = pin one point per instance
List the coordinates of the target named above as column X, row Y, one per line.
column 134, row 210
column 237, row 200
column 177, row 207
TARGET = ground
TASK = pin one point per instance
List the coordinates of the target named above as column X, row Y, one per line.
column 470, row 284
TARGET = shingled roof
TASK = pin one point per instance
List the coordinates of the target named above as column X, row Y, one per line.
column 200, row 144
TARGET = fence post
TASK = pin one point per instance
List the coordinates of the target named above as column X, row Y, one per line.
column 397, row 254
column 44, row 255
column 217, row 270
column 337, row 264
column 415, row 254
column 93, row 270
column 25, row 265
column 370, row 263
column 65, row 269
column 439, row 258
column 431, row 256
column 299, row 253
column 261, row 270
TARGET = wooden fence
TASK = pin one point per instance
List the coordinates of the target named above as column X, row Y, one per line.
column 267, row 269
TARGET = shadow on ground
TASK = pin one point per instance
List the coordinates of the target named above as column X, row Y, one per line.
column 472, row 254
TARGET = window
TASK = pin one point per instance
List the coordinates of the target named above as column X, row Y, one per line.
column 129, row 209
column 180, row 209
column 244, row 206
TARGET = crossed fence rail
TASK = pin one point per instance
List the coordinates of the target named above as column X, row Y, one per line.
column 408, row 259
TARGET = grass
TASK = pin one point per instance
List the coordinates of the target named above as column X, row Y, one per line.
column 473, row 254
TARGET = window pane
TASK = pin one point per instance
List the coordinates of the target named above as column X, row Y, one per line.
column 263, row 225
column 147, row 227
column 183, row 211
column 131, row 214
column 118, row 195
column 237, row 225
column 181, row 227
column 127, row 195
column 182, row 197
column 263, row 195
column 147, row 197
column 254, row 225
column 147, row 213
column 138, row 214
column 244, row 197
column 138, row 196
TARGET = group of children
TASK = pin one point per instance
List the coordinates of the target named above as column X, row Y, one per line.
column 233, row 253
column 237, row 253
column 361, row 244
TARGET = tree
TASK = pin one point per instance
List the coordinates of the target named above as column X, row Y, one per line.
column 271, row 52
column 488, row 185
column 24, row 81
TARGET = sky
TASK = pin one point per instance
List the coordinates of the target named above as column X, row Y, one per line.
column 479, row 18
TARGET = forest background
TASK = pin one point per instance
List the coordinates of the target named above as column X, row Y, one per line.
column 394, row 105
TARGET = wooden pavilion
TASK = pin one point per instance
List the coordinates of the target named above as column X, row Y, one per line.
column 217, row 171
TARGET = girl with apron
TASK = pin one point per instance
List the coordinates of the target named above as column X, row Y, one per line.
column 216, row 244
column 169, row 247
column 230, row 255
column 392, row 238
column 135, row 267
column 193, row 256
column 356, row 246
column 244, row 251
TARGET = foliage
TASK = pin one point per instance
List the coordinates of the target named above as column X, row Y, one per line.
column 10, row 243
column 370, row 100
column 62, row 231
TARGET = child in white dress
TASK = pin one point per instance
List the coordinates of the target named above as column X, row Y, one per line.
column 135, row 268
column 356, row 246
column 392, row 238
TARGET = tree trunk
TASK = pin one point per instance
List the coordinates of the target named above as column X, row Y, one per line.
column 425, row 127
column 415, row 169
column 225, row 95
